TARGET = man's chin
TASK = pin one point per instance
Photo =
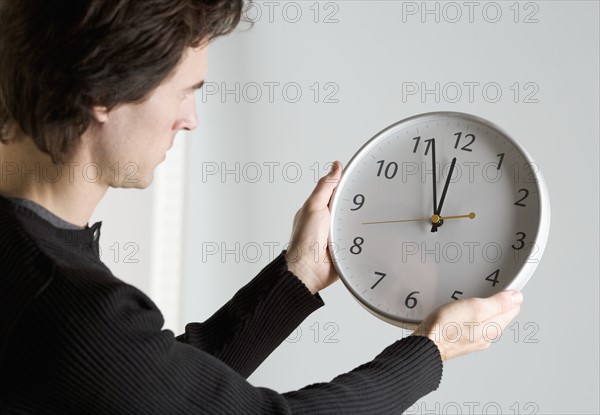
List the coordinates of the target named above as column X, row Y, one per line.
column 137, row 182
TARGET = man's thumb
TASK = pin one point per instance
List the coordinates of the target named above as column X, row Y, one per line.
column 326, row 185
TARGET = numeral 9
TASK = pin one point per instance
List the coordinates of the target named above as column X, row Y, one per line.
column 359, row 201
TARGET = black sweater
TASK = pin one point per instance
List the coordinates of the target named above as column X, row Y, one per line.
column 74, row 339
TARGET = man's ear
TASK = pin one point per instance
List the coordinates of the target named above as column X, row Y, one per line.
column 100, row 113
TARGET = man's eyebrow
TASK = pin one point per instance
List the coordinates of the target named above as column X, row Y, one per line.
column 197, row 86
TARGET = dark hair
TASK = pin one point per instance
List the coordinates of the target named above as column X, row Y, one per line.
column 59, row 58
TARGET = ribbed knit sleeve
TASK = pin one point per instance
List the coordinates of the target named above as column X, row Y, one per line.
column 389, row 384
column 256, row 320
column 104, row 353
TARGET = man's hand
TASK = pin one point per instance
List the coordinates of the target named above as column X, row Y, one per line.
column 470, row 324
column 307, row 254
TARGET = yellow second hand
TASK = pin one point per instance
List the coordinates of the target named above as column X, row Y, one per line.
column 433, row 219
column 397, row 221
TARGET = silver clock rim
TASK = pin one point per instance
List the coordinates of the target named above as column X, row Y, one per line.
column 526, row 270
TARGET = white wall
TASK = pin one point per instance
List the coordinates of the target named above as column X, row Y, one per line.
column 126, row 216
column 548, row 362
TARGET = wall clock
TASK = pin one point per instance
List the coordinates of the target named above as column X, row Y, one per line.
column 434, row 208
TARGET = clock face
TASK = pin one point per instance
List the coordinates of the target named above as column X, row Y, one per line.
column 434, row 208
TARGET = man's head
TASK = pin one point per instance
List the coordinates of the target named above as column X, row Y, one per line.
column 114, row 78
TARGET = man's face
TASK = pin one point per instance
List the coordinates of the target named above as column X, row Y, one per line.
column 134, row 138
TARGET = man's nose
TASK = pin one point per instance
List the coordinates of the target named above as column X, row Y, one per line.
column 189, row 121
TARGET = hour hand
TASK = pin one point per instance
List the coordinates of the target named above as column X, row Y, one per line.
column 439, row 208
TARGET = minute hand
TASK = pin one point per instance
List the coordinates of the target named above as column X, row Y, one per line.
column 434, row 168
column 439, row 208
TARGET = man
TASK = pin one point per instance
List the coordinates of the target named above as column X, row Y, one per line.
column 111, row 83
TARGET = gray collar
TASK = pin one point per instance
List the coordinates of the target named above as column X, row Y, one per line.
column 45, row 213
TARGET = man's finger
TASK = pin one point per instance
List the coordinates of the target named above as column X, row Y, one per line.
column 505, row 301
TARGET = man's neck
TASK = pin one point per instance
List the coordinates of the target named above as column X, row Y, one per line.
column 66, row 189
